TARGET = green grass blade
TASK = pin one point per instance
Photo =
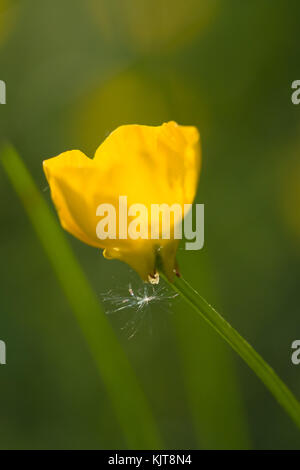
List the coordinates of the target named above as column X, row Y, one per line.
column 128, row 400
column 216, row 370
column 267, row 375
column 212, row 388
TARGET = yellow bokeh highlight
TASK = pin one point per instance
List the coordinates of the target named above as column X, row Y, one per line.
column 7, row 13
column 150, row 25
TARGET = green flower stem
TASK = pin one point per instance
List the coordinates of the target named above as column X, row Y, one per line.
column 128, row 400
column 267, row 375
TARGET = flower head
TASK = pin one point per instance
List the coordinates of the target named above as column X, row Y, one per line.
column 149, row 165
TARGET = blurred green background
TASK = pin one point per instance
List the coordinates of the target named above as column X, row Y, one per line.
column 74, row 71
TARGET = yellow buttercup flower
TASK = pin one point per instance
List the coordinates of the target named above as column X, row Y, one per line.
column 149, row 165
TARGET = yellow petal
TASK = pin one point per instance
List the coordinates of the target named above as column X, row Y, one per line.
column 152, row 164
column 149, row 165
column 70, row 176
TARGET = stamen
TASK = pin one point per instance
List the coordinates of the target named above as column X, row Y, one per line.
column 153, row 278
